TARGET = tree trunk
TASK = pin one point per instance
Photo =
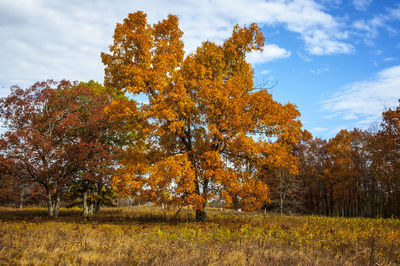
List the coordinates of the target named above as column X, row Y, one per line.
column 235, row 202
column 85, row 204
column 331, row 202
column 326, row 204
column 57, row 203
column 21, row 200
column 282, row 192
column 97, row 209
column 49, row 202
column 201, row 215
column 91, row 208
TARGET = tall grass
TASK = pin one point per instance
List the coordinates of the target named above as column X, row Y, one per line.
column 148, row 235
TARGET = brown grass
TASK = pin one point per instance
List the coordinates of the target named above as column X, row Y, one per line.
column 147, row 236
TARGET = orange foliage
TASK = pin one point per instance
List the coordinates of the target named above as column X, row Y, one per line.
column 204, row 125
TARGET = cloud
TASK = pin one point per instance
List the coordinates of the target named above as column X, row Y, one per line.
column 394, row 13
column 271, row 52
column 331, row 3
column 318, row 130
column 59, row 39
column 319, row 70
column 361, row 5
column 389, row 59
column 320, row 31
column 369, row 29
column 265, row 72
column 364, row 101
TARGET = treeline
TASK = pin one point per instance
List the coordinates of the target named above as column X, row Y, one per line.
column 355, row 173
column 61, row 145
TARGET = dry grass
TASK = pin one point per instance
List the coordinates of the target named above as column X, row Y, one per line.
column 146, row 236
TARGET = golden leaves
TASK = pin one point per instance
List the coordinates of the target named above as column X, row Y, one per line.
column 204, row 122
column 174, row 175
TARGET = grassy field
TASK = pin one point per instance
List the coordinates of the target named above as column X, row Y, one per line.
column 147, row 235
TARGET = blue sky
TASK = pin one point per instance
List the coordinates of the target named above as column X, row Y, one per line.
column 337, row 60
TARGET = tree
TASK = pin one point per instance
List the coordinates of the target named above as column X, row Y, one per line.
column 386, row 154
column 31, row 137
column 97, row 141
column 339, row 177
column 204, row 122
column 341, row 173
column 58, row 133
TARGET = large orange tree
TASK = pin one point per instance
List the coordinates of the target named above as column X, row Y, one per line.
column 206, row 131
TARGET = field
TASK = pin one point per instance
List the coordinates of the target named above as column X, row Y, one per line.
column 146, row 235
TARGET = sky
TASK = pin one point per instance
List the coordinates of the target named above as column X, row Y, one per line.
column 338, row 61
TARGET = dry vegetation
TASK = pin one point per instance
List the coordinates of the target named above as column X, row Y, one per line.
column 145, row 235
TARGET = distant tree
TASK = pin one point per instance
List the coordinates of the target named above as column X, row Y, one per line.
column 313, row 192
column 92, row 194
column 97, row 141
column 340, row 177
column 11, row 189
column 56, row 133
column 341, row 174
column 204, row 123
column 33, row 137
column 386, row 161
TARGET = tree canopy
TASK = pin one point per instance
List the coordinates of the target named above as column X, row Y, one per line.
column 207, row 130
column 59, row 133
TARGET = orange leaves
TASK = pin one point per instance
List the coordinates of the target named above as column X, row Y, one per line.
column 244, row 40
column 174, row 175
column 204, row 122
column 279, row 157
column 126, row 183
column 169, row 46
column 254, row 195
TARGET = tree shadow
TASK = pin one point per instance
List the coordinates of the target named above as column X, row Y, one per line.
column 118, row 216
column 105, row 216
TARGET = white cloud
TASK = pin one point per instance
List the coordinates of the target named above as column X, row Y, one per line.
column 389, row 59
column 361, row 5
column 4, row 91
column 319, row 70
column 271, row 52
column 364, row 101
column 265, row 72
column 331, row 3
column 63, row 39
column 318, row 130
column 394, row 13
column 369, row 29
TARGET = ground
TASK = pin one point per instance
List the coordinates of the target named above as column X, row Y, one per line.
column 145, row 235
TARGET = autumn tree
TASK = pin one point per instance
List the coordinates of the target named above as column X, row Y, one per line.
column 15, row 187
column 31, row 136
column 338, row 177
column 13, row 191
column 312, row 160
column 341, row 174
column 386, row 163
column 97, row 142
column 58, row 134
column 284, row 183
column 205, row 124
